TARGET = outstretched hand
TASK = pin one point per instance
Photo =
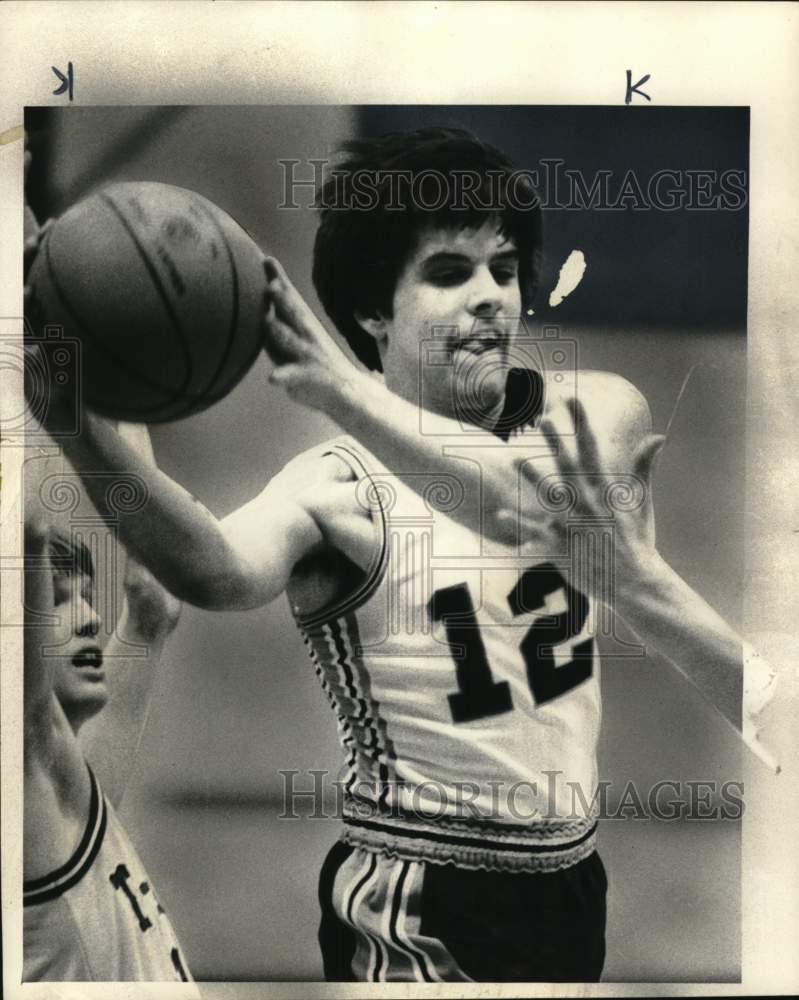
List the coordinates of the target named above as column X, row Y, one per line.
column 582, row 494
column 308, row 363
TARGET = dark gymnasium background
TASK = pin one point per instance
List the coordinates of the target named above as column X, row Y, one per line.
column 237, row 700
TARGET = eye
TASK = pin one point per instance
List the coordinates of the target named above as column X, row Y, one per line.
column 448, row 277
column 505, row 274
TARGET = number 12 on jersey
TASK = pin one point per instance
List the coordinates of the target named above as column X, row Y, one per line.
column 479, row 695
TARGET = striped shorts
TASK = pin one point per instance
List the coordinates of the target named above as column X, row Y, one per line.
column 387, row 919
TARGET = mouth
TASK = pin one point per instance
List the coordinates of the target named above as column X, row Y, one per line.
column 482, row 343
column 90, row 660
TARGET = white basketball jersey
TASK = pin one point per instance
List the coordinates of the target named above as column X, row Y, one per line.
column 97, row 917
column 465, row 680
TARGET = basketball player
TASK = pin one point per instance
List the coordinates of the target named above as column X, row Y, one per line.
column 464, row 678
column 90, row 910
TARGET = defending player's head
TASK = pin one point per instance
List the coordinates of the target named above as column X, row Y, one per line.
column 429, row 234
column 79, row 681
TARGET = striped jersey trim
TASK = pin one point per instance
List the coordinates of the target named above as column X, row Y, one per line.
column 346, row 737
column 539, row 847
column 410, row 845
column 357, row 808
column 374, row 576
column 47, row 887
column 333, row 647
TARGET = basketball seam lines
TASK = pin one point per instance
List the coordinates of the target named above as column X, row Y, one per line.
column 97, row 341
column 234, row 320
column 156, row 279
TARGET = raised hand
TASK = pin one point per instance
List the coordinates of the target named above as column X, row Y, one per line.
column 308, row 363
column 584, row 492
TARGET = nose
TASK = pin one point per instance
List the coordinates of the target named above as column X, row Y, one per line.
column 88, row 621
column 485, row 298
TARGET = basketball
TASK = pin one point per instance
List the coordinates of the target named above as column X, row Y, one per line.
column 161, row 294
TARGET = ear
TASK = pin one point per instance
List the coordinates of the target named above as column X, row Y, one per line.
column 375, row 326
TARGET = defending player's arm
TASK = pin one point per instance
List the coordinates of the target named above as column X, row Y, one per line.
column 111, row 738
column 55, row 778
column 39, row 669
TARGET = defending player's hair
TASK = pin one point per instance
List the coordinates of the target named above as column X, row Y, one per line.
column 377, row 202
column 70, row 555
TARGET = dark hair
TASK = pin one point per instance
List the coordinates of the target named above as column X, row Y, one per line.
column 377, row 202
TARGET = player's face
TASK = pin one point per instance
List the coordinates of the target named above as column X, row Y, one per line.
column 457, row 301
column 80, row 682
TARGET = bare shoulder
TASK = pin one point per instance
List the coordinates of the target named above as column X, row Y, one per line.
column 616, row 401
column 326, row 487
column 617, row 412
column 606, row 397
column 323, row 484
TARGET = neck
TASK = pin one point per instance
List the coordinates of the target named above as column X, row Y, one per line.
column 77, row 720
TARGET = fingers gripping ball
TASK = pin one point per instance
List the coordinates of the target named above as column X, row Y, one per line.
column 164, row 293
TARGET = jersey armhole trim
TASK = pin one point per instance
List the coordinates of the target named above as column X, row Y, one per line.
column 374, row 575
column 57, row 882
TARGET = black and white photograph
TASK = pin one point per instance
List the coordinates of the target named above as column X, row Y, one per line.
column 396, row 570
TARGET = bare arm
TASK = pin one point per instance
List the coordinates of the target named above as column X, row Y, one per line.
column 56, row 783
column 110, row 740
column 664, row 611
column 667, row 614
column 39, row 669
column 172, row 535
column 199, row 559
